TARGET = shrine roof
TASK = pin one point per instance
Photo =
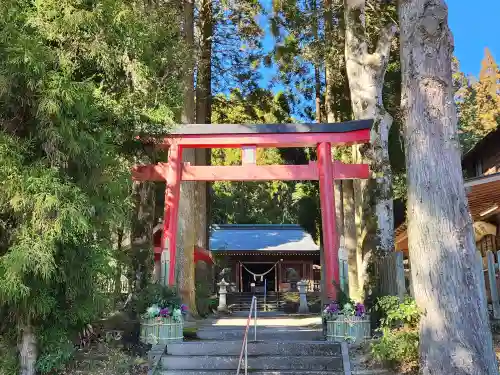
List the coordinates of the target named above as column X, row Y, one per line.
column 272, row 238
column 219, row 129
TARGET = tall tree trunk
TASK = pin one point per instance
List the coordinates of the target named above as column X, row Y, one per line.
column 27, row 350
column 317, row 63
column 339, row 207
column 203, row 114
column 358, row 187
column 204, row 72
column 317, row 84
column 204, row 110
column 455, row 337
column 366, row 73
column 118, row 271
column 339, row 215
column 187, row 204
column 338, row 108
column 350, row 238
column 142, row 235
column 337, row 98
column 141, row 246
column 329, row 63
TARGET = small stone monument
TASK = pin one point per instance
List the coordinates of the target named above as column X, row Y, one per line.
column 303, row 307
column 222, row 295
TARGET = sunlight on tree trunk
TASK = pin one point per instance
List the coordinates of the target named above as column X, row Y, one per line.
column 187, row 210
column 203, row 116
column 366, row 72
column 142, row 234
column 455, row 336
column 27, row 351
column 350, row 238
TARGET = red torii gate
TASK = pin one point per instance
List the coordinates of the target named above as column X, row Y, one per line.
column 248, row 138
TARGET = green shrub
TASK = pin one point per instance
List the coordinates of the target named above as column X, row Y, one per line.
column 156, row 294
column 8, row 355
column 204, row 299
column 57, row 350
column 398, row 346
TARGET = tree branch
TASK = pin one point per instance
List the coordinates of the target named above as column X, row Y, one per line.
column 384, row 43
column 355, row 24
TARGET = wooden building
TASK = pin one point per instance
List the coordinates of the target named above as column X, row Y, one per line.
column 269, row 258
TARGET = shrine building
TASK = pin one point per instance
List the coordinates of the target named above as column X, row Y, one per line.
column 266, row 258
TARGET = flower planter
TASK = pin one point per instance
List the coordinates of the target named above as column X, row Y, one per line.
column 348, row 328
column 161, row 330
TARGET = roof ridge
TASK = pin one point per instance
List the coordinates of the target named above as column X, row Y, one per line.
column 256, row 226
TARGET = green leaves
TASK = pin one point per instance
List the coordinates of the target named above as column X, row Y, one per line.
column 396, row 313
column 478, row 102
column 261, row 202
column 78, row 81
column 399, row 343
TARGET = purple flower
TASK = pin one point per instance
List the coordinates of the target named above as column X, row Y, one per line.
column 164, row 312
column 359, row 309
column 184, row 308
column 333, row 308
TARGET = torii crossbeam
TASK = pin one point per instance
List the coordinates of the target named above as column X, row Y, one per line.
column 248, row 138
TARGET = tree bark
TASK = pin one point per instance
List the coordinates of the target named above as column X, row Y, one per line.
column 204, row 72
column 203, row 116
column 187, row 202
column 358, row 187
column 350, row 238
column 329, row 63
column 455, row 337
column 118, row 271
column 142, row 235
column 317, row 63
column 203, row 111
column 339, row 207
column 366, row 73
column 317, row 85
column 27, row 350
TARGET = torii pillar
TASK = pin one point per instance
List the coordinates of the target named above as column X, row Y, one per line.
column 328, row 219
column 172, row 172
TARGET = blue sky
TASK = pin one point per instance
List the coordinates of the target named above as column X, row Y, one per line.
column 475, row 25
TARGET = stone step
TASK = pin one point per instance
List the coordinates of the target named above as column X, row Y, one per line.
column 266, row 314
column 267, row 334
column 260, row 348
column 261, row 309
column 233, row 372
column 259, row 304
column 255, row 363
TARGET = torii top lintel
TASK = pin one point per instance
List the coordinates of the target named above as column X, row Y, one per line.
column 268, row 135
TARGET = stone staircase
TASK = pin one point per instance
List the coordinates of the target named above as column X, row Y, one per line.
column 284, row 346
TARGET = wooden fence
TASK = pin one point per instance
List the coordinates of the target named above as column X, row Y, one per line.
column 108, row 285
column 389, row 272
column 395, row 278
column 488, row 267
column 390, row 275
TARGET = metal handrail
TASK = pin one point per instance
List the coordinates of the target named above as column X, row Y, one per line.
column 244, row 346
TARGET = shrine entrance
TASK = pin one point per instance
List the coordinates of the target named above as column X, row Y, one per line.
column 248, row 138
column 259, row 277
